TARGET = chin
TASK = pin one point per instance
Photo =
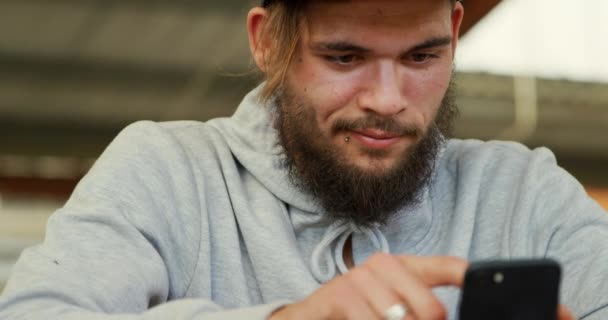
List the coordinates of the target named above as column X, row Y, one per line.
column 375, row 166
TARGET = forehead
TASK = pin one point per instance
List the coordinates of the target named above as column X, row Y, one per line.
column 381, row 17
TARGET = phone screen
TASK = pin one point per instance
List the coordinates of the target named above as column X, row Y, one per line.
column 511, row 290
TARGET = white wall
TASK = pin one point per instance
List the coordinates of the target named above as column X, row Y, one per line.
column 548, row 38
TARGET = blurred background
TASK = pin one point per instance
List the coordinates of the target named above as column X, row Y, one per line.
column 74, row 72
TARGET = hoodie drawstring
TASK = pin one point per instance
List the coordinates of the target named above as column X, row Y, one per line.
column 340, row 231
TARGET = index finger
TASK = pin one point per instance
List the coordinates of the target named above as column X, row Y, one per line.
column 437, row 271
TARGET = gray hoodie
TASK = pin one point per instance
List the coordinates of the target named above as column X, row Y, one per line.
column 190, row 220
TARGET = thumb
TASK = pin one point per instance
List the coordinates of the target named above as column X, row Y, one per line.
column 564, row 313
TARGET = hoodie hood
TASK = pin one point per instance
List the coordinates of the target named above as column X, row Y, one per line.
column 253, row 140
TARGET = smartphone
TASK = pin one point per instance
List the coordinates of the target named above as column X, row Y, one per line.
column 511, row 290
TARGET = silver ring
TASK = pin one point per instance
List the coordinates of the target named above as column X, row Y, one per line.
column 396, row 312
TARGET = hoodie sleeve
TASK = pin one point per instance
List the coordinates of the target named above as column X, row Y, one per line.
column 126, row 244
column 573, row 229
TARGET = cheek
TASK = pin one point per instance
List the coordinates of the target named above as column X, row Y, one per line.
column 329, row 92
column 426, row 92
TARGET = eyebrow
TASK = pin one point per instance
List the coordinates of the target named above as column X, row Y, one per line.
column 344, row 46
column 339, row 46
column 433, row 43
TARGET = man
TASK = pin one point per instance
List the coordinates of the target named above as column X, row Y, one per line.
column 332, row 193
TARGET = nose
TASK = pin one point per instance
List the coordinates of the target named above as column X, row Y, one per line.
column 384, row 93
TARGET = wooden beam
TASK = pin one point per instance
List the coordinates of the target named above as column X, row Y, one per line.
column 600, row 195
column 59, row 189
column 474, row 11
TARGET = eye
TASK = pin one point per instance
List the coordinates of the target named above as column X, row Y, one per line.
column 343, row 60
column 422, row 57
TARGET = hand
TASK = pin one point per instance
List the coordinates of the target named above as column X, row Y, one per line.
column 367, row 291
column 564, row 314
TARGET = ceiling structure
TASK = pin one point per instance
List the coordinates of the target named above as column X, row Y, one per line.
column 107, row 63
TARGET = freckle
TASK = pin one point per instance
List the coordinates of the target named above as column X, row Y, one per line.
column 305, row 89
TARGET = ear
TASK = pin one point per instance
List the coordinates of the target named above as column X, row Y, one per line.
column 457, row 17
column 256, row 19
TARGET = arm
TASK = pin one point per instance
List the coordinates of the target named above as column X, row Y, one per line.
column 126, row 243
column 576, row 229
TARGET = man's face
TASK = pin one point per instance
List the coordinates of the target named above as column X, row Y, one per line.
column 358, row 113
column 382, row 59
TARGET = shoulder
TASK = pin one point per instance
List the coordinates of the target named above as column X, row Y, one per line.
column 157, row 151
column 470, row 156
column 163, row 139
column 470, row 150
column 511, row 174
column 162, row 131
column 500, row 171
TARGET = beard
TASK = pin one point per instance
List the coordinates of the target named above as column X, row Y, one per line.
column 349, row 193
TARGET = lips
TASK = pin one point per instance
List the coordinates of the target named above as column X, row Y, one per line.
column 377, row 134
column 376, row 139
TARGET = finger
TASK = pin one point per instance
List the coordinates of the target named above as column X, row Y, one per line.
column 417, row 295
column 357, row 309
column 348, row 302
column 437, row 271
column 379, row 296
column 564, row 313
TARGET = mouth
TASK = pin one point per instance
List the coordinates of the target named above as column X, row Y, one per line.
column 376, row 139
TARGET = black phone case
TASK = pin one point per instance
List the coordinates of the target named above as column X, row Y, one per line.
column 511, row 290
